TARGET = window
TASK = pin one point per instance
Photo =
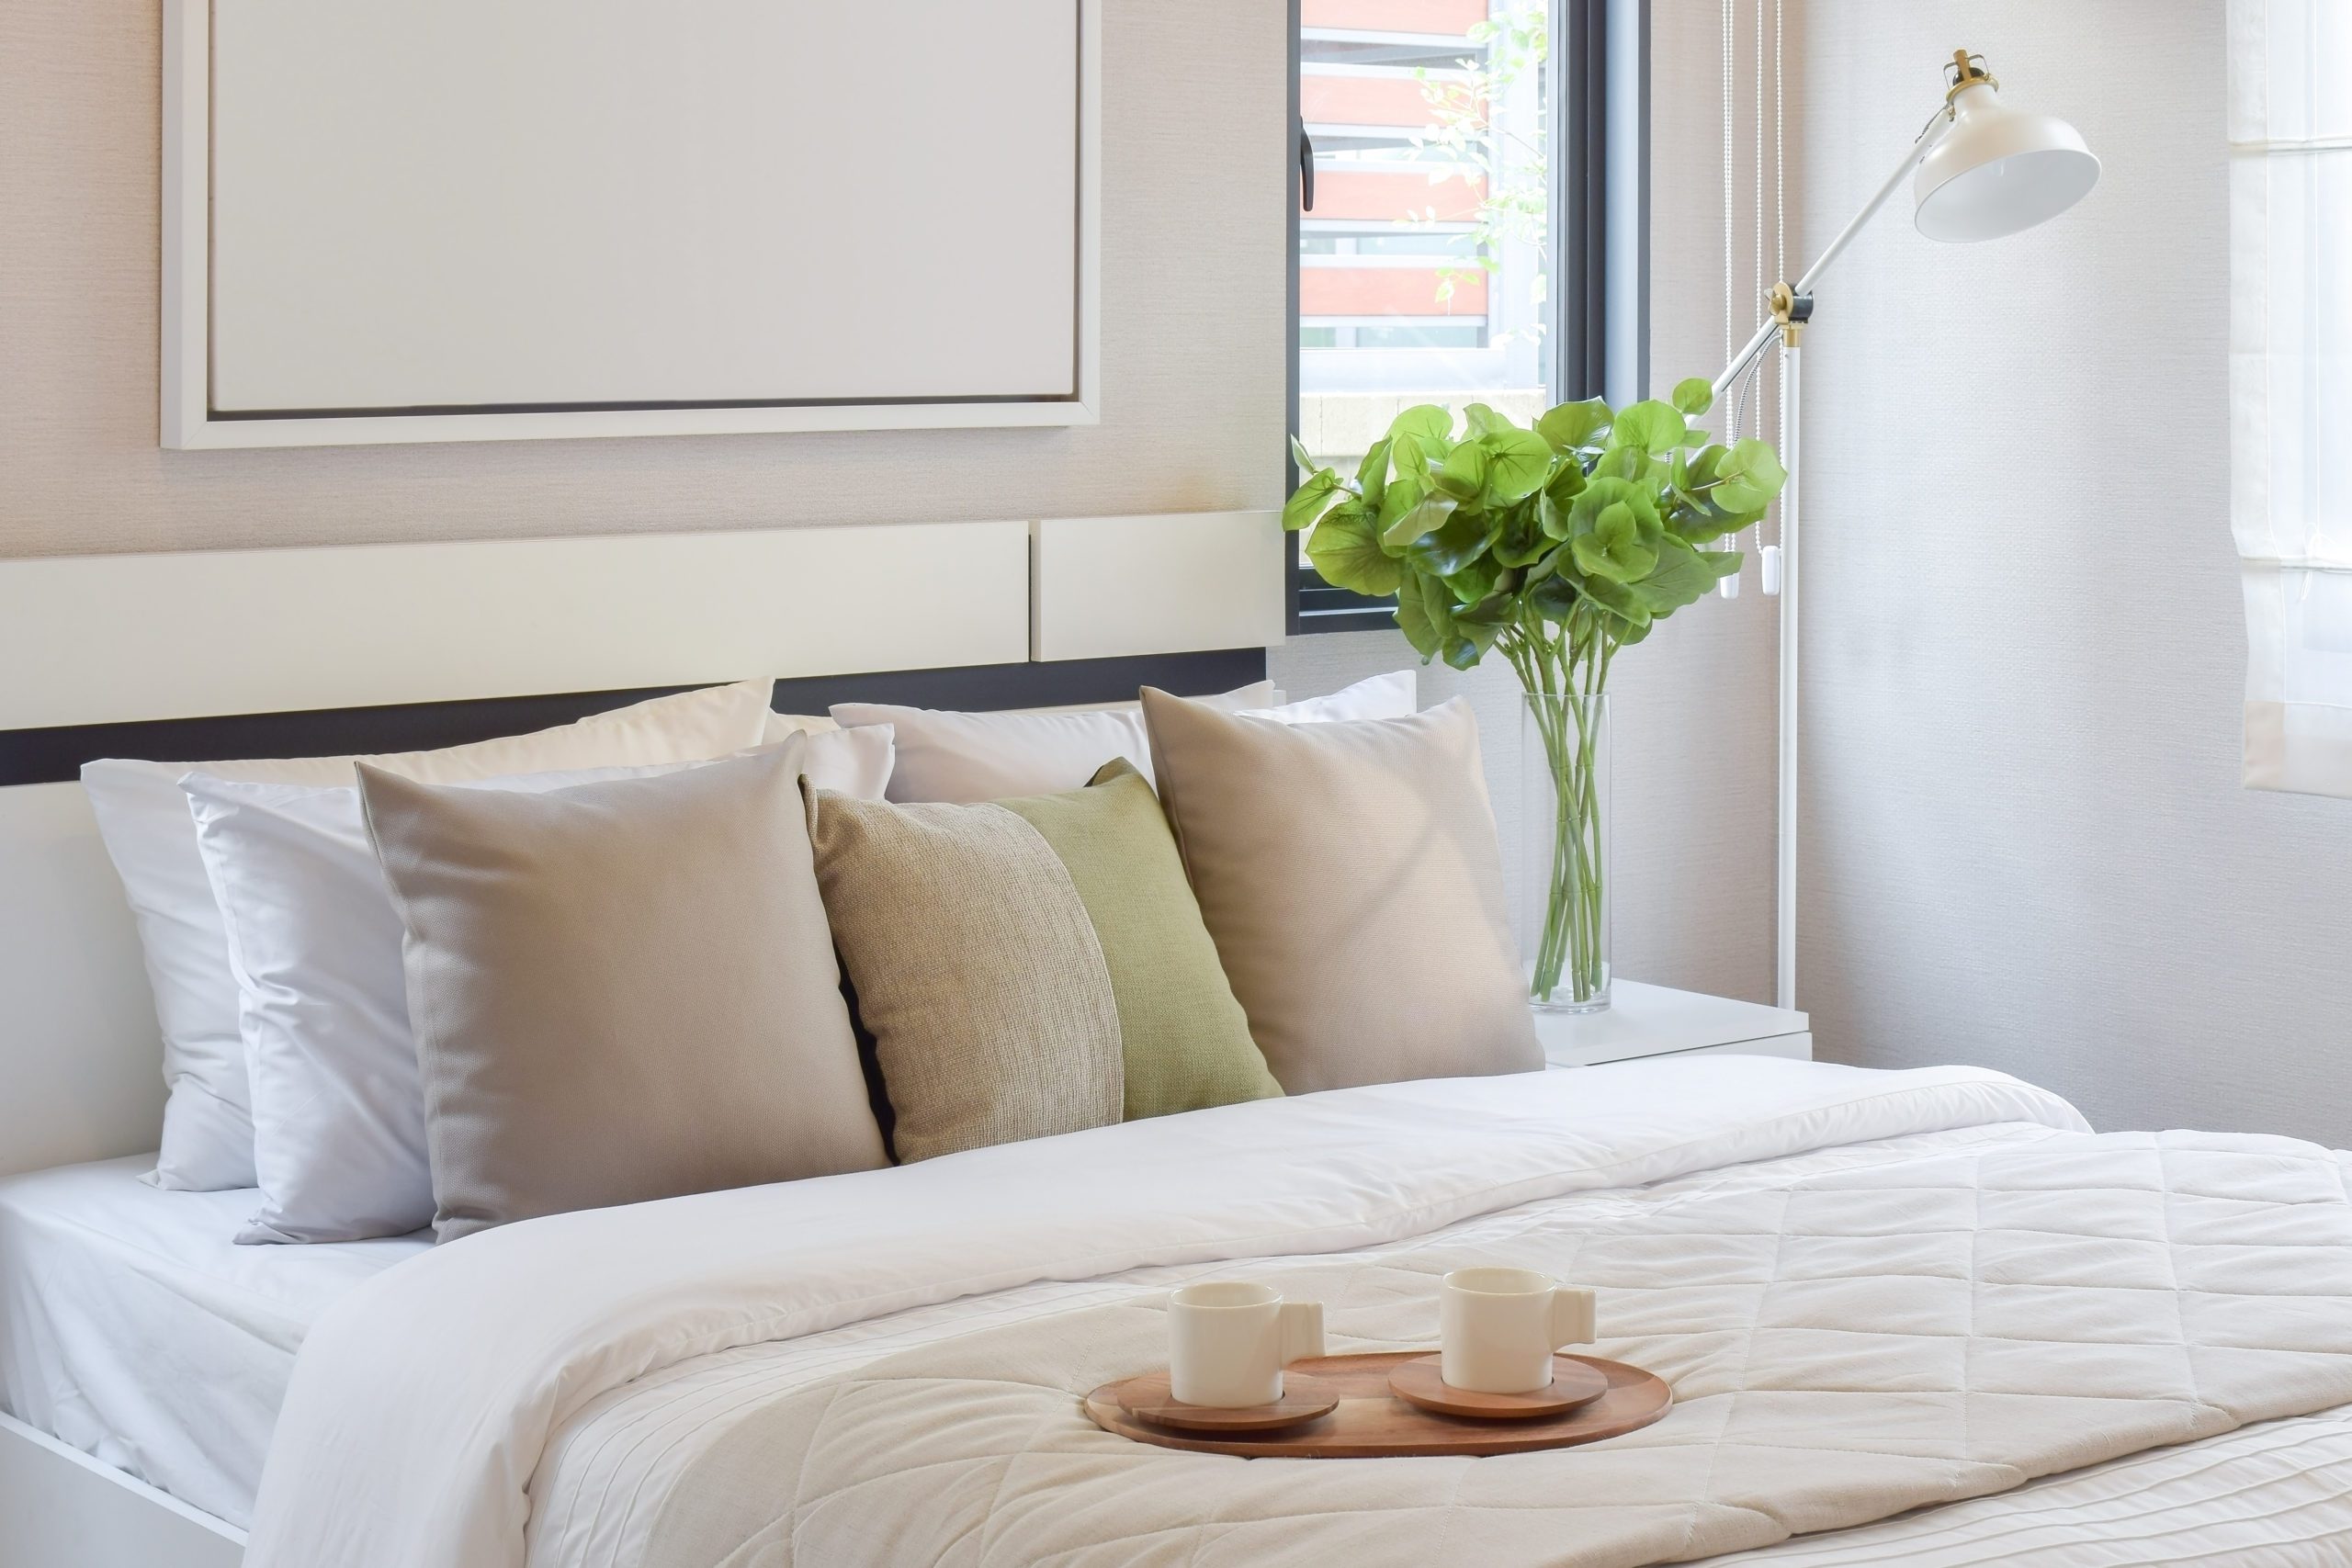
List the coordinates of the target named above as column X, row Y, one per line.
column 1429, row 264
column 2290, row 384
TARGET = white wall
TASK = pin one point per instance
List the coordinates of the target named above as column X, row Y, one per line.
column 1691, row 708
column 2028, row 846
column 1192, row 299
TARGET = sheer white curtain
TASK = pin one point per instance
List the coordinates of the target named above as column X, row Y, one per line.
column 2291, row 383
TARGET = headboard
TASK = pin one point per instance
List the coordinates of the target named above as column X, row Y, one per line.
column 207, row 656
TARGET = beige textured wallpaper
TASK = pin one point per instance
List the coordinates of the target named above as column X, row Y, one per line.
column 2024, row 644
column 1192, row 350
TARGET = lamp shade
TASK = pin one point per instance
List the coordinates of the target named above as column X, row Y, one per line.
column 1997, row 171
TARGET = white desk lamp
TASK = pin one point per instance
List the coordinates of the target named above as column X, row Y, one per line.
column 1984, row 170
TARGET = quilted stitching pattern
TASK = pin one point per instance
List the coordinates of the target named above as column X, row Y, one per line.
column 1844, row 1347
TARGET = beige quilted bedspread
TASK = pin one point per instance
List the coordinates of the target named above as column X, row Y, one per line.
column 1843, row 1349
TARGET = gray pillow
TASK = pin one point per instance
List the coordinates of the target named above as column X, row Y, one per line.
column 621, row 990
column 1349, row 874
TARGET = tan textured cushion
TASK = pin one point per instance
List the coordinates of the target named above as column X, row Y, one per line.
column 978, row 972
column 621, row 990
column 1350, row 874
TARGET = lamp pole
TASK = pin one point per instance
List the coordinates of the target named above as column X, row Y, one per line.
column 2004, row 137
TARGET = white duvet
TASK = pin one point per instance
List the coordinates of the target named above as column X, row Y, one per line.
column 432, row 1411
column 422, row 1405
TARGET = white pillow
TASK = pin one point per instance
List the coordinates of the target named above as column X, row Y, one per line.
column 208, row 1128
column 1393, row 695
column 966, row 757
column 315, row 942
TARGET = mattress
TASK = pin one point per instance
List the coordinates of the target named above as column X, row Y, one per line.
column 132, row 1327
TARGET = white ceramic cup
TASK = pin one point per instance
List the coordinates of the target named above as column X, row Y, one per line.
column 1498, row 1329
column 1228, row 1340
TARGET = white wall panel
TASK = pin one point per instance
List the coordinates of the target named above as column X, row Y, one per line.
column 1108, row 586
column 93, row 640
column 428, row 219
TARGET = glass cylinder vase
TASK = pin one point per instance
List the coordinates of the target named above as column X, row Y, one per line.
column 1563, row 815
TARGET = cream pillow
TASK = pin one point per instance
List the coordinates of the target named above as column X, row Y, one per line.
column 621, row 990
column 143, row 817
column 1349, row 875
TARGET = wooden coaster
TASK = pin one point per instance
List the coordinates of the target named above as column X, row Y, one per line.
column 1146, row 1398
column 1370, row 1422
column 1419, row 1382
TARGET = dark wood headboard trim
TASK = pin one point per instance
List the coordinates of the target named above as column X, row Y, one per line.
column 56, row 755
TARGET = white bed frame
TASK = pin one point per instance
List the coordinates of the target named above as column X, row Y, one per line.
column 124, row 639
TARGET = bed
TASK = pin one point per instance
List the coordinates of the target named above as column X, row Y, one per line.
column 102, row 1275
column 880, row 1367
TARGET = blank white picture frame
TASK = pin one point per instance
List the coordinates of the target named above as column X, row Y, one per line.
column 446, row 221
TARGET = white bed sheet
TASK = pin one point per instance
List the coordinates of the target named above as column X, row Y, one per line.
column 134, row 1328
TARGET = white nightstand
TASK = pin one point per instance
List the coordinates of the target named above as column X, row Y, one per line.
column 1651, row 1020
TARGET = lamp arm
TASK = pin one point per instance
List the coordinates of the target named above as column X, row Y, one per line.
column 1772, row 325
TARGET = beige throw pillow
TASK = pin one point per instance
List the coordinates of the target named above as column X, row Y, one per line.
column 1349, row 875
column 621, row 990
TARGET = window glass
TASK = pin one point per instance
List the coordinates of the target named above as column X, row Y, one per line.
column 1425, row 262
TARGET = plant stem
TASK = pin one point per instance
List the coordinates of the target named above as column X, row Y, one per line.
column 1565, row 676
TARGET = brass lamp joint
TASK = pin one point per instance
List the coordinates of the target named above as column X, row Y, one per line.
column 1964, row 72
column 1791, row 311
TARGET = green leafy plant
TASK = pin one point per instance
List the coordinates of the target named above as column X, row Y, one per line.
column 1554, row 547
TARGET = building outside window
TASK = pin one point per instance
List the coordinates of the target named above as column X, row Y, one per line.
column 1424, row 265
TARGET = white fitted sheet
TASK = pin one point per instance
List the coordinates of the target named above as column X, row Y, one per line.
column 135, row 1328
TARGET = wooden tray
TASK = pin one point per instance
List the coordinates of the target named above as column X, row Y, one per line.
column 1371, row 1423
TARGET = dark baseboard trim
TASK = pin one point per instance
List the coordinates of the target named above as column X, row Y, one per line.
column 56, row 755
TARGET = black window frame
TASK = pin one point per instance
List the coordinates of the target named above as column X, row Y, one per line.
column 1599, row 69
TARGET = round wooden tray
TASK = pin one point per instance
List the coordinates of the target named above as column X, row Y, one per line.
column 1421, row 1381
column 1371, row 1423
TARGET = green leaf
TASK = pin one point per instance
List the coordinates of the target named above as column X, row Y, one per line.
column 1427, row 422
column 1454, row 545
column 1464, row 649
column 1372, row 474
column 1299, row 455
column 1425, row 613
column 1522, row 540
column 1698, row 526
column 1495, row 610
column 1424, row 515
column 1614, row 550
column 1748, row 477
column 1621, row 599
column 1408, row 458
column 1651, row 425
column 1572, row 425
column 1556, row 596
column 1484, row 421
column 1474, row 584
column 1724, row 562
column 1682, row 576
column 1622, row 463
column 1463, row 473
column 1307, row 503
column 1584, row 513
column 1345, row 548
column 1520, row 462
column 1694, row 396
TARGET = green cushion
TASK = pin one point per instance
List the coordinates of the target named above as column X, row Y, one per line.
column 1185, row 1039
